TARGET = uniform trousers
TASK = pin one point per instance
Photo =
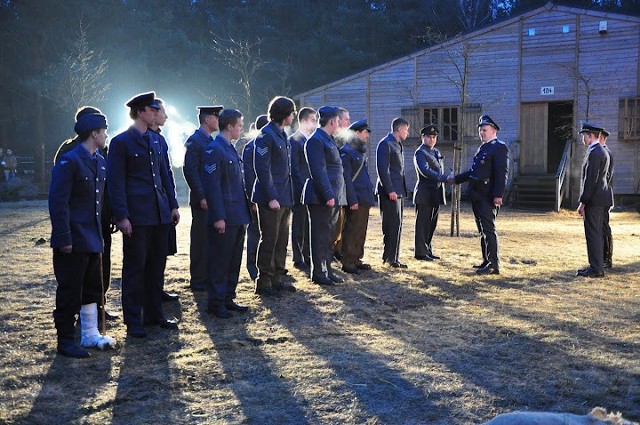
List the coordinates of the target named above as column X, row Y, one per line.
column 225, row 259
column 274, row 236
column 593, row 231
column 337, row 234
column 106, row 254
column 485, row 213
column 79, row 282
column 354, row 235
column 143, row 262
column 426, row 223
column 198, row 247
column 300, row 234
column 608, row 237
column 322, row 225
column 253, row 237
column 391, row 212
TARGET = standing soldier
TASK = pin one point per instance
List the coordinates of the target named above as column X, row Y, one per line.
column 307, row 123
column 360, row 198
column 595, row 198
column 487, row 181
column 195, row 144
column 75, row 208
column 144, row 207
column 253, row 232
column 65, row 147
column 428, row 194
column 273, row 193
column 324, row 194
column 608, row 236
column 227, row 214
column 391, row 189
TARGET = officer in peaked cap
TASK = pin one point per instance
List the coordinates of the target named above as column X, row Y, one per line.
column 428, row 193
column 595, row 197
column 487, row 181
column 360, row 197
column 193, row 163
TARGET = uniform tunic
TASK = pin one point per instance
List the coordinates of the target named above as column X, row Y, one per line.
column 300, row 216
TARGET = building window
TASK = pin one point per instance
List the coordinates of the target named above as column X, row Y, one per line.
column 630, row 118
column 446, row 119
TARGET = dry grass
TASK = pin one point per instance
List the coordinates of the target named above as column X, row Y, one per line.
column 433, row 344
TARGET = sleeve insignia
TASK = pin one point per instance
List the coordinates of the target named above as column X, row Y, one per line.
column 262, row 151
column 210, row 168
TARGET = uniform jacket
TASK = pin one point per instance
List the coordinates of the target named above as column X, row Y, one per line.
column 609, row 172
column 271, row 161
column 138, row 179
column 489, row 169
column 299, row 166
column 247, row 165
column 594, row 189
column 221, row 176
column 326, row 179
column 360, row 189
column 429, row 167
column 390, row 167
column 195, row 145
column 75, row 200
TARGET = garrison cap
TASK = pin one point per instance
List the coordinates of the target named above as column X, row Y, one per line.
column 210, row 110
column 328, row 112
column 429, row 130
column 361, row 125
column 87, row 110
column 143, row 99
column 588, row 127
column 261, row 121
column 90, row 122
column 487, row 120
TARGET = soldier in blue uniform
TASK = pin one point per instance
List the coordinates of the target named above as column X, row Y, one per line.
column 595, row 198
column 391, row 189
column 307, row 124
column 195, row 144
column 253, row 232
column 324, row 193
column 428, row 193
column 65, row 147
column 227, row 214
column 75, row 208
column 487, row 181
column 360, row 198
column 273, row 193
column 143, row 206
column 606, row 228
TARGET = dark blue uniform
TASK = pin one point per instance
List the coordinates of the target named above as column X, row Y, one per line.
column 608, row 236
column 300, row 216
column 75, row 208
column 390, row 168
column 359, row 190
column 595, row 195
column 487, row 180
column 195, row 145
column 253, row 232
column 138, row 179
column 428, row 195
column 326, row 182
column 271, row 163
column 224, row 190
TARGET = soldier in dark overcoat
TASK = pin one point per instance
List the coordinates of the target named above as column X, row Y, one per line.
column 487, row 179
column 428, row 193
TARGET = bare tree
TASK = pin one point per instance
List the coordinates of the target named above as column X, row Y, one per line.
column 245, row 58
column 80, row 78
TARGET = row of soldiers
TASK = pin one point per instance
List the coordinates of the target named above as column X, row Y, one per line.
column 326, row 189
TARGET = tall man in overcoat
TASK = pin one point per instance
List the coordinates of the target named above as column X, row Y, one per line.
column 487, row 179
column 595, row 198
column 195, row 144
column 391, row 189
column 428, row 193
column 143, row 205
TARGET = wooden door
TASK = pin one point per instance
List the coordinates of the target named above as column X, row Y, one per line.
column 534, row 123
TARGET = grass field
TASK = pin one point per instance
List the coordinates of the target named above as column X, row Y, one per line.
column 432, row 344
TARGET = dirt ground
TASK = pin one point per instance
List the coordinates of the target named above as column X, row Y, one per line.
column 432, row 344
